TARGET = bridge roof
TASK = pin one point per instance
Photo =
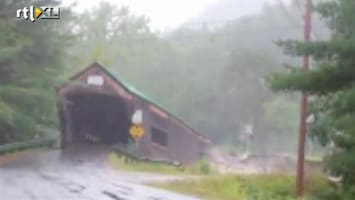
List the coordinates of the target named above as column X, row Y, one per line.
column 115, row 75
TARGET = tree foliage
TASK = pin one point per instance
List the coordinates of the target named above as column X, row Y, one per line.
column 30, row 59
column 212, row 77
column 331, row 81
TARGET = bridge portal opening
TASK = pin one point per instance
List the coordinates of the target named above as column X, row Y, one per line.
column 97, row 119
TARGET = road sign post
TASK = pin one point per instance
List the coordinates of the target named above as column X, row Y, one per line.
column 137, row 129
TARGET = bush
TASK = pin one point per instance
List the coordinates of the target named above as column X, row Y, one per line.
column 205, row 167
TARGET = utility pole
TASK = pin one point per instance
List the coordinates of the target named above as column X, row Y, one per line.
column 304, row 106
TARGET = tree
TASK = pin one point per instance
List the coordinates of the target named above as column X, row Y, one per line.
column 280, row 123
column 212, row 77
column 251, row 57
column 109, row 34
column 331, row 81
column 30, row 59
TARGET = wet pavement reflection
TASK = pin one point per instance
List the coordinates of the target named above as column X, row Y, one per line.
column 76, row 174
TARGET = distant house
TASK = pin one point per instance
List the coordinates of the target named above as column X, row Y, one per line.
column 96, row 106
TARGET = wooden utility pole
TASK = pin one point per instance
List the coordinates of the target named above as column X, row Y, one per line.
column 304, row 106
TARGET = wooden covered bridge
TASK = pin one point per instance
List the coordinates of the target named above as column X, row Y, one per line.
column 96, row 105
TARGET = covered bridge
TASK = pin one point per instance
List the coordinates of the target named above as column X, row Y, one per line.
column 96, row 105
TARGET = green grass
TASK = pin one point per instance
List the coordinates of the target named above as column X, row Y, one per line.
column 120, row 163
column 251, row 187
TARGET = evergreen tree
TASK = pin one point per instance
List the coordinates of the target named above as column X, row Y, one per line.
column 31, row 56
column 331, row 81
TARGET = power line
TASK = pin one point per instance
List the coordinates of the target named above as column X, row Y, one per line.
column 295, row 24
column 235, row 30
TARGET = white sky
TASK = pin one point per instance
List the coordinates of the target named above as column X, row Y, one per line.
column 164, row 14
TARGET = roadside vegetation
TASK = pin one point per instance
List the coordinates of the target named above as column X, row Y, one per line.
column 247, row 187
column 47, row 139
column 330, row 83
column 217, row 75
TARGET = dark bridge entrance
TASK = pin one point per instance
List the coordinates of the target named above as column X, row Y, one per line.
column 98, row 118
column 95, row 106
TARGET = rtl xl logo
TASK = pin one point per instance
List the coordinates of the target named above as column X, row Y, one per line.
column 33, row 13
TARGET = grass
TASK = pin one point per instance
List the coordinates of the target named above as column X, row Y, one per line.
column 224, row 187
column 120, row 163
column 245, row 187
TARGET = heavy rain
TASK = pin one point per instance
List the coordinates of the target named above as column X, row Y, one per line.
column 177, row 99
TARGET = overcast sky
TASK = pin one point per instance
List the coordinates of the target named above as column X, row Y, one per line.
column 164, row 14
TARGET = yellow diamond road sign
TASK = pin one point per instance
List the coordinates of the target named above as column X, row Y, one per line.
column 136, row 131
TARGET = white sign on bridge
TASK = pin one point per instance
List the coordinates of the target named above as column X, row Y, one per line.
column 95, row 80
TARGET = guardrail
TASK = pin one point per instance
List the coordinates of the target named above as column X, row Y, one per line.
column 20, row 146
column 123, row 152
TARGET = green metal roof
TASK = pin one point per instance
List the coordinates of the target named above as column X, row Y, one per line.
column 130, row 87
column 135, row 91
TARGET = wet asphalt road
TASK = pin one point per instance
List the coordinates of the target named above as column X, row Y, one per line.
column 76, row 174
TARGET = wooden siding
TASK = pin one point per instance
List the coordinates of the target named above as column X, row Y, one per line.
column 183, row 144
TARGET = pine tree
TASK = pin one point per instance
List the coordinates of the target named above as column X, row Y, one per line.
column 31, row 57
column 331, row 82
